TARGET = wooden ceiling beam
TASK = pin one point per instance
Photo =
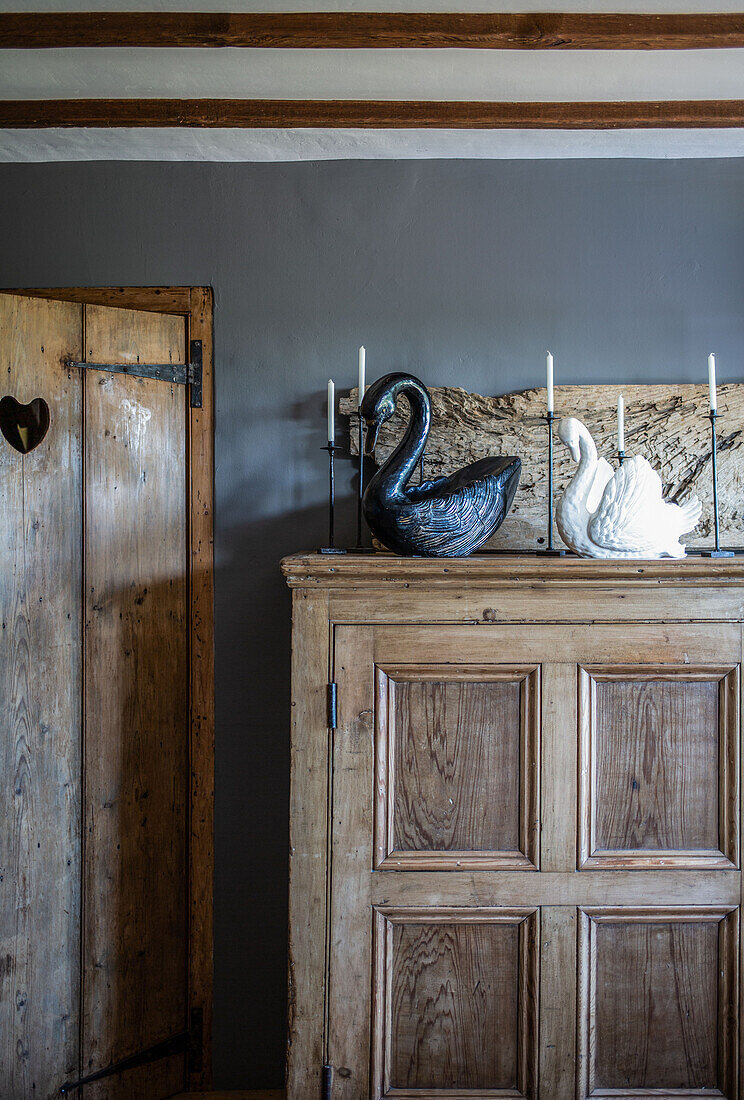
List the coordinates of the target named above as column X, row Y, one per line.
column 373, row 30
column 375, row 114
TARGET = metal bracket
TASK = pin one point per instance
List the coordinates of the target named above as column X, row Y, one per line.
column 332, row 706
column 190, row 1041
column 182, row 374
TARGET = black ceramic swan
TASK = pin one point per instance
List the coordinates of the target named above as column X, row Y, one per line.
column 448, row 517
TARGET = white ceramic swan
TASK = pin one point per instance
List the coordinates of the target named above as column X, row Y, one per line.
column 606, row 513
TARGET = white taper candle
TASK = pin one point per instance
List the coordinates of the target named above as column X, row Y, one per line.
column 360, row 381
column 331, row 411
column 550, row 382
column 621, row 423
column 712, row 383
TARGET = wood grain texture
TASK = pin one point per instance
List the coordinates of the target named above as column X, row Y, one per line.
column 372, row 30
column 427, row 626
column 454, row 1013
column 652, row 988
column 457, row 765
column 152, row 299
column 557, row 1031
column 350, row 928
column 40, row 689
column 655, row 746
column 310, row 801
column 635, row 643
column 455, row 1001
column 519, row 573
column 201, row 748
column 667, row 424
column 379, row 113
column 136, row 705
column 558, row 767
column 519, row 605
column 474, row 888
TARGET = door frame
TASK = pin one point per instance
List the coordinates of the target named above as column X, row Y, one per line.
column 196, row 305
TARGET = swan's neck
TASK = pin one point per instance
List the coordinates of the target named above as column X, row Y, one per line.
column 584, row 477
column 395, row 474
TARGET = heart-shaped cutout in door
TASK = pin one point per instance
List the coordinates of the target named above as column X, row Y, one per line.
column 24, row 426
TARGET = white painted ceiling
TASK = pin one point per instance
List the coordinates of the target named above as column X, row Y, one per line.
column 460, row 74
column 511, row 75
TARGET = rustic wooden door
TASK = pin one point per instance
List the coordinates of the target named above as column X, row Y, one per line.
column 535, row 882
column 94, row 701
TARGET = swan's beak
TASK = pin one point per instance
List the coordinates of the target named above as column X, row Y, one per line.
column 573, row 446
column 370, row 440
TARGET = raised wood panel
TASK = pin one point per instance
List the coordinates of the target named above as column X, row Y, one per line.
column 659, row 766
column 457, row 759
column 456, row 1010
column 136, row 705
column 40, row 685
column 656, row 990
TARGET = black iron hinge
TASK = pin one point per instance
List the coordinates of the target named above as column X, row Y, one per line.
column 189, row 1041
column 332, row 705
column 183, row 374
column 326, row 1083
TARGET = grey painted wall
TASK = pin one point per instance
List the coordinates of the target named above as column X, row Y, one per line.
column 463, row 272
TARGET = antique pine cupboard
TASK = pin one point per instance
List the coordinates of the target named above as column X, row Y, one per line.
column 515, row 838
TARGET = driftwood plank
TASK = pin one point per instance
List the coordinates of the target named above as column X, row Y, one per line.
column 667, row 424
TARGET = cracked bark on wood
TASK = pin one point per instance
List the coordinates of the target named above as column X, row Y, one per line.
column 669, row 425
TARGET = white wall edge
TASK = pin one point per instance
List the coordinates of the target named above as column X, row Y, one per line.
column 28, row 146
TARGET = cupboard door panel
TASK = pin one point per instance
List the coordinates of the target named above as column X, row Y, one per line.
column 457, row 1010
column 657, row 1002
column 473, row 957
column 457, row 767
column 659, row 749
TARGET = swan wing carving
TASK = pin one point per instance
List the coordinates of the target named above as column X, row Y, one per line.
column 602, row 474
column 629, row 508
column 474, row 507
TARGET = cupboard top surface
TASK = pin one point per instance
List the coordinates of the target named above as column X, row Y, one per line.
column 315, row 570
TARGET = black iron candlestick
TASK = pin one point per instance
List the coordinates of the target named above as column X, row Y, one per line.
column 621, row 457
column 331, row 548
column 361, row 484
column 717, row 552
column 550, row 549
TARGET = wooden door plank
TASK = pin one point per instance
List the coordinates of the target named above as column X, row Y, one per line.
column 40, row 690
column 350, row 951
column 136, row 705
